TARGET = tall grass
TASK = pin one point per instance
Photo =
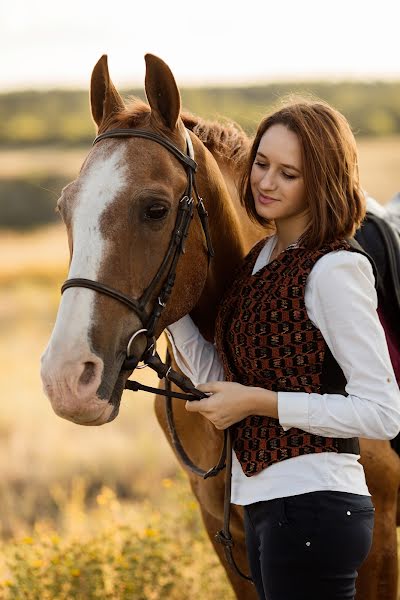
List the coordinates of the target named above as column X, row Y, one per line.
column 116, row 550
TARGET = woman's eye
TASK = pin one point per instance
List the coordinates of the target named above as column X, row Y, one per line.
column 259, row 164
column 288, row 176
column 155, row 212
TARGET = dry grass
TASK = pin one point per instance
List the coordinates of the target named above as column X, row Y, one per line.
column 380, row 166
column 40, row 255
column 37, row 161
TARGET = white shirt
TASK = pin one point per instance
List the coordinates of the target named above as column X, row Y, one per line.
column 341, row 302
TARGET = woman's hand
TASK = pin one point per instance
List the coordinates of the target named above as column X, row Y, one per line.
column 230, row 402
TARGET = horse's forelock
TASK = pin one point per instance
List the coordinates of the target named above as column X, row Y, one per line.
column 135, row 115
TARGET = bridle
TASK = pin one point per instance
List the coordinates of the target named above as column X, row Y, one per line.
column 149, row 357
column 176, row 247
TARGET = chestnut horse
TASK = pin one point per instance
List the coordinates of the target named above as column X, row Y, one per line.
column 120, row 214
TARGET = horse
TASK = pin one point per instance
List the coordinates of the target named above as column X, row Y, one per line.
column 120, row 214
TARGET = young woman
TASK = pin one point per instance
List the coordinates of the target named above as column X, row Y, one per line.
column 300, row 368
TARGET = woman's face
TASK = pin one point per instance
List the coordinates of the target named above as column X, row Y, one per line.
column 276, row 177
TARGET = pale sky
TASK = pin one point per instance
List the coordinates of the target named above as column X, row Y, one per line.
column 46, row 43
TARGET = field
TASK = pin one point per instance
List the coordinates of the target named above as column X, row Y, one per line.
column 95, row 512
column 379, row 164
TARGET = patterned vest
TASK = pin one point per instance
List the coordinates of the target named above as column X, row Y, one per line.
column 265, row 339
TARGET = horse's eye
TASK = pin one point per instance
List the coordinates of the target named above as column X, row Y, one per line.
column 155, row 212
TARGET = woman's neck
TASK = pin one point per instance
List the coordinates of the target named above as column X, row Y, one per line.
column 288, row 231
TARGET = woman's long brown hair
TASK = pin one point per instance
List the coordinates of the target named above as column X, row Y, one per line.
column 329, row 166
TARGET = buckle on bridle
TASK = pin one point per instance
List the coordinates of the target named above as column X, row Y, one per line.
column 152, row 346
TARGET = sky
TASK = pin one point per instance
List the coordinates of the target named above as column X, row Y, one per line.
column 47, row 43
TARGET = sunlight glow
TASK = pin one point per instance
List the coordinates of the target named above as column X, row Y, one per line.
column 49, row 44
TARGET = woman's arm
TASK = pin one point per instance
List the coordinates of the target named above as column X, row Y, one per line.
column 341, row 301
column 196, row 357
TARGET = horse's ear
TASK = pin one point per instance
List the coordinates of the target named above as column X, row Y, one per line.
column 104, row 98
column 162, row 92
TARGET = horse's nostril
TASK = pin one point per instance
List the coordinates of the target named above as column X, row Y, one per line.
column 89, row 372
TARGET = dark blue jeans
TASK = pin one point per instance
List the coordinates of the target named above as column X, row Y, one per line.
column 308, row 547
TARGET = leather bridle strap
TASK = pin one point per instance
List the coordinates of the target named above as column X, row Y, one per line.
column 164, row 371
column 106, row 290
column 155, row 137
column 224, row 536
column 175, row 248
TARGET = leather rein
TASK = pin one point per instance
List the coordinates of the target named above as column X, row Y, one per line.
column 150, row 357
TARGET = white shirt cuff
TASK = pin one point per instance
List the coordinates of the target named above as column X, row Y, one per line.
column 293, row 410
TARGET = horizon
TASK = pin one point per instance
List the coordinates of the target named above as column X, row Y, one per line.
column 127, row 87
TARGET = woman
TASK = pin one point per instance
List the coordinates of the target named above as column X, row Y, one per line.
column 304, row 359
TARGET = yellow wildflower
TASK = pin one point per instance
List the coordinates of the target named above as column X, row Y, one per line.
column 75, row 572
column 150, row 533
column 27, row 540
column 37, row 563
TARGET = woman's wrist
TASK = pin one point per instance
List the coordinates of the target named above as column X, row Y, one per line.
column 264, row 402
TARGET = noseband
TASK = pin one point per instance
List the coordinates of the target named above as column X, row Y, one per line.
column 176, row 247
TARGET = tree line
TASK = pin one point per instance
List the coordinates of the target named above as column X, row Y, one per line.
column 60, row 118
column 63, row 117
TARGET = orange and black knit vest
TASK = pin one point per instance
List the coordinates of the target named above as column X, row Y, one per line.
column 266, row 339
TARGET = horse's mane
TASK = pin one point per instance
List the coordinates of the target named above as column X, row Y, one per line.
column 228, row 140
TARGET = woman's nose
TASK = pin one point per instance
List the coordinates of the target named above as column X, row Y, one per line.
column 268, row 182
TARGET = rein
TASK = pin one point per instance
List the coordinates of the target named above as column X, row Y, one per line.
column 150, row 356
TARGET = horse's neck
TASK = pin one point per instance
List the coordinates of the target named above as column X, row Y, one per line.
column 233, row 235
column 251, row 232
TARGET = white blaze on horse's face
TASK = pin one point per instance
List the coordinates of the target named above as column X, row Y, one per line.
column 71, row 372
column 104, row 180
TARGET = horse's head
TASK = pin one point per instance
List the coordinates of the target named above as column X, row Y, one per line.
column 121, row 215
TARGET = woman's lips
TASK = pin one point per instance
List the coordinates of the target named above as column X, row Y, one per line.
column 266, row 199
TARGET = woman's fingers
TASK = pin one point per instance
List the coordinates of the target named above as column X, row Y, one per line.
column 206, row 408
column 196, row 405
column 211, row 387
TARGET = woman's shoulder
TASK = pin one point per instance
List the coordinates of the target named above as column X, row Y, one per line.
column 342, row 265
